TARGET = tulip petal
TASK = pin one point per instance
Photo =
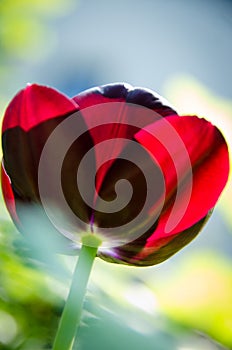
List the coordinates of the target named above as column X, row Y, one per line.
column 132, row 167
column 123, row 92
column 122, row 113
column 37, row 108
column 8, row 194
column 102, row 94
column 43, row 230
column 209, row 160
column 30, row 119
column 36, row 104
column 31, row 107
column 137, row 254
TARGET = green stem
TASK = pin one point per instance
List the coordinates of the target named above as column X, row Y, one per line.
column 71, row 315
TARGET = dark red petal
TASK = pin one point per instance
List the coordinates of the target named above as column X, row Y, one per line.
column 22, row 154
column 150, row 99
column 30, row 119
column 102, row 94
column 132, row 166
column 119, row 92
column 136, row 254
column 8, row 194
column 36, row 104
column 209, row 159
column 37, row 108
column 46, row 237
column 122, row 113
column 123, row 92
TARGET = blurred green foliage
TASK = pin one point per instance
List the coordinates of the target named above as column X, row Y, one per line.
column 199, row 295
column 25, row 25
column 26, row 35
column 123, row 309
column 28, row 307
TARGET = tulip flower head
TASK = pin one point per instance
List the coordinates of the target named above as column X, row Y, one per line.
column 114, row 166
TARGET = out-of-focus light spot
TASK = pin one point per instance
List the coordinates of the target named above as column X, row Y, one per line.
column 200, row 343
column 199, row 295
column 142, row 297
column 8, row 328
column 139, row 325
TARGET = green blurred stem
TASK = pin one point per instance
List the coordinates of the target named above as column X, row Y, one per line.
column 71, row 315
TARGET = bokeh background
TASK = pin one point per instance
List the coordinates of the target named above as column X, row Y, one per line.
column 183, row 50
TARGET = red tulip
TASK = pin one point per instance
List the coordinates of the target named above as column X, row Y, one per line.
column 67, row 158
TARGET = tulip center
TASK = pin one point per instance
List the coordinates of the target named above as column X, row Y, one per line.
column 91, row 240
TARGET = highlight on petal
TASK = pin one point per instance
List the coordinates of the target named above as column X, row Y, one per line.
column 36, row 104
column 209, row 159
